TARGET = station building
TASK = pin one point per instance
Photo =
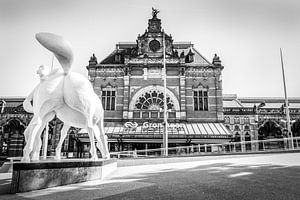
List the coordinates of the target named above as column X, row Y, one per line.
column 245, row 118
column 259, row 118
column 130, row 83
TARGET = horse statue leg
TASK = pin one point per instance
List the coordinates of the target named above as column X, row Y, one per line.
column 103, row 137
column 27, row 133
column 101, row 142
column 63, row 135
column 93, row 149
column 31, row 135
column 35, row 155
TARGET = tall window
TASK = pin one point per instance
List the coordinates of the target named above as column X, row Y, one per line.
column 247, row 120
column 109, row 98
column 227, row 120
column 200, row 100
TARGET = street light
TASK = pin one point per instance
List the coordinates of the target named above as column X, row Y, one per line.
column 165, row 134
column 286, row 104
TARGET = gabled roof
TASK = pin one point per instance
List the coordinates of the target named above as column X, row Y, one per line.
column 110, row 59
column 130, row 50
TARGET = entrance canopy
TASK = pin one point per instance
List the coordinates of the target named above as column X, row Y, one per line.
column 153, row 132
column 204, row 130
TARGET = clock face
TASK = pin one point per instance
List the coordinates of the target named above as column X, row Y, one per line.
column 154, row 45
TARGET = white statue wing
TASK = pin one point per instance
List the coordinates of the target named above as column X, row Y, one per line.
column 60, row 47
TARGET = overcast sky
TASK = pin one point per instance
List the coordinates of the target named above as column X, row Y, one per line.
column 246, row 34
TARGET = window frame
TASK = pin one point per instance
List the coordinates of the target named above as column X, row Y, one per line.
column 109, row 94
column 200, row 100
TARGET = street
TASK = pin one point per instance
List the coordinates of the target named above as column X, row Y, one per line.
column 263, row 176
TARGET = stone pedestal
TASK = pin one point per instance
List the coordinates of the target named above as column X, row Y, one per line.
column 45, row 174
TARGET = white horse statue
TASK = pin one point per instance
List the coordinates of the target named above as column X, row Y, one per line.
column 69, row 96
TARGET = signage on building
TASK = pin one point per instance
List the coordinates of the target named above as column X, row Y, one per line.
column 153, row 126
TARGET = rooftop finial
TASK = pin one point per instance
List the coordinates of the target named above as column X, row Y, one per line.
column 154, row 12
column 216, row 60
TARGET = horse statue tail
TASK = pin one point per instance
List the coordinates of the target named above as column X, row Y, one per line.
column 60, row 47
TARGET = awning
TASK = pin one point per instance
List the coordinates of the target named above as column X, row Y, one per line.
column 206, row 129
column 150, row 131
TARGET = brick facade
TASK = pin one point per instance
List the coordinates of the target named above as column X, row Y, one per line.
column 135, row 67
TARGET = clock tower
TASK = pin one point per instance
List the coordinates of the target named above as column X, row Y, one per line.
column 150, row 43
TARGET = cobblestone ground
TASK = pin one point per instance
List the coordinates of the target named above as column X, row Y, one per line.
column 265, row 176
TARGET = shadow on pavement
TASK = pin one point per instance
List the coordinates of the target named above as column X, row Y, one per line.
column 214, row 181
column 5, row 185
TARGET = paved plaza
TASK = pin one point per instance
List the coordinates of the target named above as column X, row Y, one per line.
column 261, row 176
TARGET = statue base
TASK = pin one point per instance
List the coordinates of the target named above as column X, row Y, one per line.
column 44, row 174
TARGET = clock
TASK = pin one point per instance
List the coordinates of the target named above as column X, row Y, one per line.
column 154, row 45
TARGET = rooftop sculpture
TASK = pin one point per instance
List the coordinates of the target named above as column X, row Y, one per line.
column 154, row 12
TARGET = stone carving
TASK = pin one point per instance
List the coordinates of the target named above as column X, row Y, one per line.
column 69, row 96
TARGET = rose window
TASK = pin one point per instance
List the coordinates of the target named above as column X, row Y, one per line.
column 153, row 100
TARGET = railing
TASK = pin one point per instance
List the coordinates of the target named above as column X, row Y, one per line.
column 270, row 145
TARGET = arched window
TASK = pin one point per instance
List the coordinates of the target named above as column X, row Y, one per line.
column 247, row 137
column 247, row 128
column 236, row 128
column 247, row 120
column 153, row 100
column 269, row 130
column 247, row 140
column 227, row 120
column 236, row 120
column 296, row 128
column 13, row 138
column 237, row 137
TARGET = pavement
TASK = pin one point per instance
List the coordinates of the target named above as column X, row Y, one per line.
column 262, row 176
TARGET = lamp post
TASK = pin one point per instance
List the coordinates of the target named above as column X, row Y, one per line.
column 165, row 134
column 290, row 134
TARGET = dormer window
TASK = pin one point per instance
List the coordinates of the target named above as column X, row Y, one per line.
column 118, row 58
column 190, row 57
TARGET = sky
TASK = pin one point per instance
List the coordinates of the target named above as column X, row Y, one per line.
column 246, row 34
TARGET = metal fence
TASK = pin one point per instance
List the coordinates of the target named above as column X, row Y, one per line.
column 270, row 145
